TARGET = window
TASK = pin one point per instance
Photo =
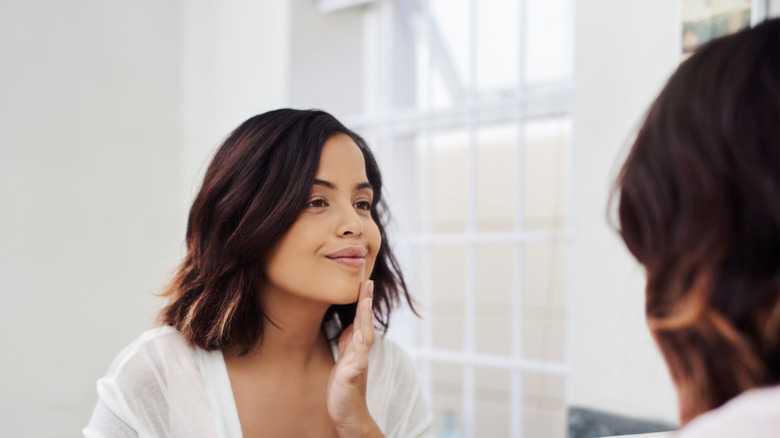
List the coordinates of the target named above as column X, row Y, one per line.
column 468, row 105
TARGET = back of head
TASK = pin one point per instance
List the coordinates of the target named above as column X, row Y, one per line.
column 699, row 207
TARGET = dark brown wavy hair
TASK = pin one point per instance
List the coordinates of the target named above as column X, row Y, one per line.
column 254, row 189
column 699, row 207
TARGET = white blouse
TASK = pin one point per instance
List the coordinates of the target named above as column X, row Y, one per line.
column 159, row 386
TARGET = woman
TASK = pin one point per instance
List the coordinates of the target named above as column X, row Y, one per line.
column 282, row 239
column 699, row 207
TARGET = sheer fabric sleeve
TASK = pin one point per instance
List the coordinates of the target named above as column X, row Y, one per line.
column 105, row 423
column 394, row 394
column 152, row 389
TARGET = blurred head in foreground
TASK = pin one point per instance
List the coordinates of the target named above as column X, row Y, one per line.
column 699, row 207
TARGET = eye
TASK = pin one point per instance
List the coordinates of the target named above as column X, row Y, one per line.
column 362, row 205
column 317, row 203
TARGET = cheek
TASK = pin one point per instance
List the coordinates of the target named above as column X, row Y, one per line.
column 278, row 266
column 289, row 252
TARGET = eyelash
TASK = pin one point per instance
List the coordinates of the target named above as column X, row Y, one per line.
column 316, row 203
column 364, row 205
column 319, row 203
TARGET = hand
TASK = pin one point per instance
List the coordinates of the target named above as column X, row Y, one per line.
column 347, row 384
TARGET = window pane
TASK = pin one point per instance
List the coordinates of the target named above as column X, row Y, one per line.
column 492, row 402
column 544, row 303
column 544, row 412
column 424, row 189
column 494, row 299
column 548, row 45
column 450, row 170
column 448, row 293
column 496, row 178
column 450, row 46
column 497, row 45
column 447, row 398
column 546, row 173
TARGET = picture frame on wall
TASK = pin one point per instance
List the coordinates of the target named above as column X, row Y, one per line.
column 704, row 20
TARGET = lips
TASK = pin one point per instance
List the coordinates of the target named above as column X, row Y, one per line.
column 353, row 257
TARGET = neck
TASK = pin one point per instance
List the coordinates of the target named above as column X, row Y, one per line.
column 685, row 406
column 295, row 338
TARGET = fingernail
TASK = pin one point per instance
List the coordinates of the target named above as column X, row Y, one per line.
column 359, row 336
column 371, row 288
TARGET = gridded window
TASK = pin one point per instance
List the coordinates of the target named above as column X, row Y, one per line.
column 469, row 106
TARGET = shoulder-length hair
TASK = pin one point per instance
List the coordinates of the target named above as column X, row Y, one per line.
column 699, row 207
column 253, row 191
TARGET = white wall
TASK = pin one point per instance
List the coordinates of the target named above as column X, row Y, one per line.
column 89, row 192
column 773, row 8
column 110, row 112
column 625, row 52
column 235, row 60
column 326, row 59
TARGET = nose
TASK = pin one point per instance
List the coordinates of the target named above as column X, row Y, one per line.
column 350, row 223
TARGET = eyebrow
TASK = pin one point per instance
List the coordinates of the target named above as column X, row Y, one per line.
column 330, row 185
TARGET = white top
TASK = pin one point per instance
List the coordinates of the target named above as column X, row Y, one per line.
column 754, row 414
column 159, row 386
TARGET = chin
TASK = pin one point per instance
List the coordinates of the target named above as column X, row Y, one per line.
column 345, row 292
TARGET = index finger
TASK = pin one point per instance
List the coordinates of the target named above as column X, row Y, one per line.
column 365, row 321
column 366, row 290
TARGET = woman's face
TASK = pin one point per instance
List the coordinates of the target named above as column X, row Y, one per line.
column 332, row 245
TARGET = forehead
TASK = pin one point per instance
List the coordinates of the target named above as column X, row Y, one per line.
column 341, row 158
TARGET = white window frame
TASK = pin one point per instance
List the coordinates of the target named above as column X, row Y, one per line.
column 387, row 26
